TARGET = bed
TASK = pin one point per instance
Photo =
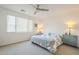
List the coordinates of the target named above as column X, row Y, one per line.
column 49, row 42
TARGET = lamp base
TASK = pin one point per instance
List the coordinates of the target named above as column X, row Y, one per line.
column 69, row 33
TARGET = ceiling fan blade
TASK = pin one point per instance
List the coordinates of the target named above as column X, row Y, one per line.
column 42, row 9
column 34, row 6
column 38, row 9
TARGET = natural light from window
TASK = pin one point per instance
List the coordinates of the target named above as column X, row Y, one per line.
column 18, row 24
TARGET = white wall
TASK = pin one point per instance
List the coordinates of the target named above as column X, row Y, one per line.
column 51, row 25
column 6, row 37
column 57, row 24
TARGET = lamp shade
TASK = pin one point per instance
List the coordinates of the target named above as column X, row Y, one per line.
column 40, row 28
column 70, row 24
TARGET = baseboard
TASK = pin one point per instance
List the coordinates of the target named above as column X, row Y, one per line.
column 14, row 43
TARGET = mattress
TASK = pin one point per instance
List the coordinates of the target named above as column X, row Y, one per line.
column 49, row 42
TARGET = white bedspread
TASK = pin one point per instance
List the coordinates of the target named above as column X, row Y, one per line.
column 49, row 42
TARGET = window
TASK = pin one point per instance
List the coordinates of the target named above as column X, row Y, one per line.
column 30, row 25
column 21, row 25
column 17, row 24
column 10, row 23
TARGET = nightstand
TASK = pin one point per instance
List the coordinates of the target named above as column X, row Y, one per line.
column 71, row 40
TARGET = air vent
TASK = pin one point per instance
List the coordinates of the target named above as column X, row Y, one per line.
column 22, row 10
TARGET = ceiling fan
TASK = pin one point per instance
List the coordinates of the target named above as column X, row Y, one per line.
column 37, row 8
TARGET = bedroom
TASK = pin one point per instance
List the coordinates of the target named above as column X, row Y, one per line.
column 20, row 22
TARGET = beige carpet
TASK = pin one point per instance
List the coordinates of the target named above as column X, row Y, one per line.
column 67, row 50
column 27, row 48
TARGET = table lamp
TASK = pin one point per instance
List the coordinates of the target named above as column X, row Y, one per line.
column 70, row 26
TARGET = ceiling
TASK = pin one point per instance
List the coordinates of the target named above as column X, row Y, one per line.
column 54, row 10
